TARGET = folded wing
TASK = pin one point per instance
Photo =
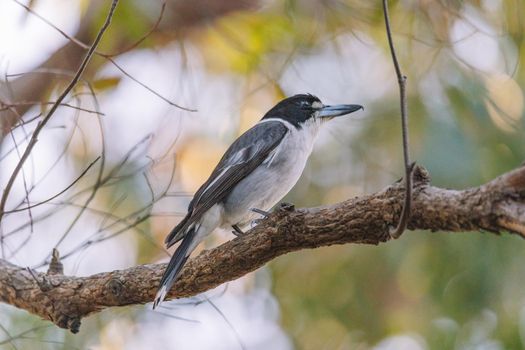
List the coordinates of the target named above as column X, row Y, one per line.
column 244, row 155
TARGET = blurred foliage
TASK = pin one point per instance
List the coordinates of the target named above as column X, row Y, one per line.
column 450, row 291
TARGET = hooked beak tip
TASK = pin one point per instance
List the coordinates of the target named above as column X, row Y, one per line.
column 338, row 110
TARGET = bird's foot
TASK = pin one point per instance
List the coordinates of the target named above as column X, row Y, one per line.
column 286, row 206
column 265, row 214
column 256, row 222
column 237, row 231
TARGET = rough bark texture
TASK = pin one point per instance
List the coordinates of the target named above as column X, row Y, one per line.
column 496, row 207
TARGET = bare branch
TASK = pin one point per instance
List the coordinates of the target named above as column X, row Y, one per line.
column 45, row 120
column 409, row 167
column 30, row 206
column 32, row 103
column 123, row 71
column 496, row 206
column 109, row 56
column 179, row 17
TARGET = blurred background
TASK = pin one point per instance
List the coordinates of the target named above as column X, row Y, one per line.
column 231, row 61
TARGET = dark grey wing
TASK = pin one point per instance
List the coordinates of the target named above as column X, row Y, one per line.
column 241, row 158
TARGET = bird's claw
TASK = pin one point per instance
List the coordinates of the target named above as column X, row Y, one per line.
column 286, row 206
column 237, row 231
column 256, row 222
column 265, row 214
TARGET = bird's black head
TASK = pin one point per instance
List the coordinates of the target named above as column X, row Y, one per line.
column 300, row 109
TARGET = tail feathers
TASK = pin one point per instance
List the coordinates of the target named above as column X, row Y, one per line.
column 178, row 231
column 174, row 267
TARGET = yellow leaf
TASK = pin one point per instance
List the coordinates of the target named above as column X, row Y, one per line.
column 106, row 83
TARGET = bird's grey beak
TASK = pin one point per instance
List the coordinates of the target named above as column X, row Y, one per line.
column 338, row 110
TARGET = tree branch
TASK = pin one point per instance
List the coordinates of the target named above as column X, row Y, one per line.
column 409, row 167
column 496, row 206
column 180, row 16
column 34, row 137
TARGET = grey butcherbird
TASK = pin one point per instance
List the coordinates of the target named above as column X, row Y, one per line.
column 257, row 171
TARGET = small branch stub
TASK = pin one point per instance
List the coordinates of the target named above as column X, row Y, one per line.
column 55, row 266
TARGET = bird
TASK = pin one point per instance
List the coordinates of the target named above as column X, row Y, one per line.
column 259, row 168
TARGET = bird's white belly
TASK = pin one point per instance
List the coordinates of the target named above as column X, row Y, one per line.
column 271, row 181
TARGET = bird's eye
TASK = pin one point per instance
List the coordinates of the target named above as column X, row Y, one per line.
column 305, row 105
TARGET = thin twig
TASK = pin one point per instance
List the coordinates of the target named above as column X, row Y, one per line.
column 230, row 325
column 30, row 206
column 110, row 56
column 409, row 167
column 49, row 23
column 9, row 338
column 96, row 187
column 165, row 99
column 45, row 120
column 21, row 335
column 31, row 103
column 26, row 198
column 143, row 37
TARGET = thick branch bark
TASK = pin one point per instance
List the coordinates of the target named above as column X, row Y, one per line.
column 496, row 207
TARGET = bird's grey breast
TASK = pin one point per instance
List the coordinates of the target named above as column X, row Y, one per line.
column 271, row 180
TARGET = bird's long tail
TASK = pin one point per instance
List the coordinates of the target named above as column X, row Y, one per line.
column 174, row 267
